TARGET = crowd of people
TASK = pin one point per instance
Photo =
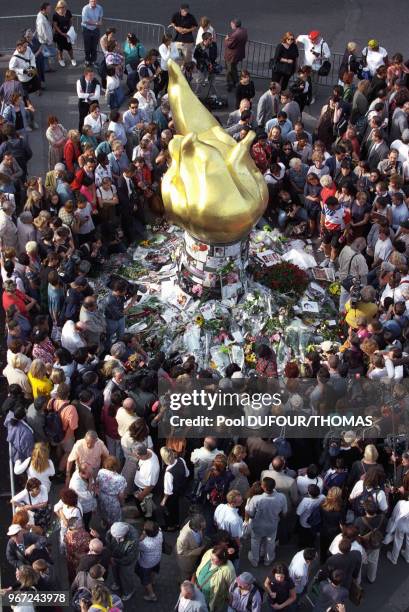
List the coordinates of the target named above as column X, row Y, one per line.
column 82, row 408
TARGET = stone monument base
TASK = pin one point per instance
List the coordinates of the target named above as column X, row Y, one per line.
column 219, row 270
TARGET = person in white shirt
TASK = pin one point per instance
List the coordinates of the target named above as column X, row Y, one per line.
column 84, row 214
column 316, row 50
column 375, row 56
column 167, row 50
column 96, row 120
column 125, row 415
column 174, row 483
column 310, row 477
column 370, row 486
column 227, row 516
column 383, row 247
column 82, row 483
column 23, row 63
column 205, row 27
column 146, row 478
column 304, row 510
column 402, row 146
column 45, row 35
column 71, row 336
column 299, row 569
column 203, row 457
column 397, row 530
column 39, row 465
column 88, row 92
column 34, row 499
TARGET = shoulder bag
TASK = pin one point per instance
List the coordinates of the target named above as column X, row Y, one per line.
column 325, row 68
column 348, row 281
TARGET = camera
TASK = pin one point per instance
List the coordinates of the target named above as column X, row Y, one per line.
column 355, row 292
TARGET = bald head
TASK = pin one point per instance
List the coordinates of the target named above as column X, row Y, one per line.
column 129, row 404
column 278, row 463
column 96, row 546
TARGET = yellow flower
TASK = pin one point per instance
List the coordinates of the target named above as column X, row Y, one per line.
column 199, row 320
column 335, row 288
column 144, row 243
column 251, row 358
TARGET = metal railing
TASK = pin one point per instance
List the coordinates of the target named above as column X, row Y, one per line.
column 258, row 54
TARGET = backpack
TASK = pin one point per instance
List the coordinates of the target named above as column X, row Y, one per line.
column 217, row 495
column 256, row 587
column 81, row 593
column 314, row 520
column 53, row 424
column 358, row 502
column 374, row 538
column 337, row 479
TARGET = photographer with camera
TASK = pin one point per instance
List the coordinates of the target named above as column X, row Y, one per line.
column 23, row 62
column 205, row 55
column 362, row 303
column 352, row 264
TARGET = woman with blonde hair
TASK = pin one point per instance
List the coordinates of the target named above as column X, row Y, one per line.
column 62, row 22
column 368, row 463
column 146, row 98
column 332, row 512
column 205, row 27
column 39, row 465
column 38, row 379
column 350, row 61
column 285, row 58
column 16, row 373
column 34, row 203
column 239, row 469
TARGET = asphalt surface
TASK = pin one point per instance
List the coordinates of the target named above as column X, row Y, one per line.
column 266, row 21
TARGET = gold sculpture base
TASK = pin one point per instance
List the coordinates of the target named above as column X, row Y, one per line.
column 216, row 270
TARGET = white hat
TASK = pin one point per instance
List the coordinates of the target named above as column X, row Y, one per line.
column 14, row 530
column 296, row 401
column 119, row 529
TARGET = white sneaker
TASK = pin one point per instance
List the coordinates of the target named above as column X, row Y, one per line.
column 73, row 62
column 312, row 101
column 62, row 63
column 390, row 558
column 325, row 263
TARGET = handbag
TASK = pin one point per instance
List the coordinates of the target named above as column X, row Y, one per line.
column 325, row 68
column 348, row 281
column 72, row 35
column 356, row 593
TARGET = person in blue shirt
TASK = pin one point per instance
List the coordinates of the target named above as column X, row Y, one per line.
column 283, row 122
column 91, row 20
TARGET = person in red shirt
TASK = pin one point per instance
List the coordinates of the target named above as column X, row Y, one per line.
column 328, row 188
column 11, row 295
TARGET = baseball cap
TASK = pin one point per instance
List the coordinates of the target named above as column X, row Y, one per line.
column 14, row 530
column 373, row 43
column 313, row 34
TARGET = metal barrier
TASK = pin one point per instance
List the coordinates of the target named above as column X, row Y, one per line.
column 150, row 34
column 258, row 54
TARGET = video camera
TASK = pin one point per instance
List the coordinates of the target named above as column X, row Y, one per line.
column 355, row 292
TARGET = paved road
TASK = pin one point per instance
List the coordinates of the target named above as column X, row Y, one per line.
column 347, row 22
column 266, row 20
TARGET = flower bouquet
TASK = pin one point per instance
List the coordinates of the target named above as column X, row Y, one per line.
column 283, row 277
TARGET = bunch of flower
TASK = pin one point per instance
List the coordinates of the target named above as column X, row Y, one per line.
column 335, row 289
column 284, row 277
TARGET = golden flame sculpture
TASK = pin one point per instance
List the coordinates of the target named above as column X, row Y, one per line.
column 212, row 189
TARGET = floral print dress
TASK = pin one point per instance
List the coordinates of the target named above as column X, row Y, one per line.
column 110, row 486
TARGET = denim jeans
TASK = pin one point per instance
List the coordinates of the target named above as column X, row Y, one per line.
column 115, row 329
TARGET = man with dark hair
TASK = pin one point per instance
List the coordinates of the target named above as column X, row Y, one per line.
column 372, row 527
column 234, row 52
column 185, row 24
column 300, row 569
column 44, row 31
column 206, row 55
column 331, row 592
column 265, row 511
column 347, row 560
column 88, row 91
